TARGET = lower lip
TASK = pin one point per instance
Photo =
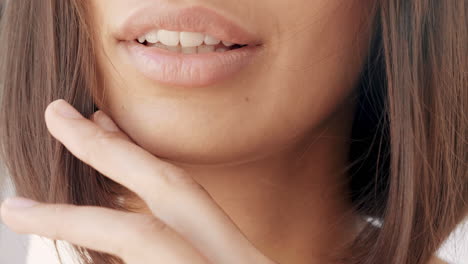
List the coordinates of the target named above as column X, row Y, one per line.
column 188, row 70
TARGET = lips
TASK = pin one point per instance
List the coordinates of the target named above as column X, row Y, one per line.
column 188, row 70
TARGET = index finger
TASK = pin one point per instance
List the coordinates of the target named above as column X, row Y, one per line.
column 171, row 194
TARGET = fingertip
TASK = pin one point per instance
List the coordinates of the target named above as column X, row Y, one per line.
column 18, row 203
column 61, row 108
column 47, row 110
column 11, row 211
column 104, row 121
column 93, row 115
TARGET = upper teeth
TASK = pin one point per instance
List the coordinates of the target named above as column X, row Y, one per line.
column 186, row 39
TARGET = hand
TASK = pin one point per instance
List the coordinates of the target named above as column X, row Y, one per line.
column 186, row 225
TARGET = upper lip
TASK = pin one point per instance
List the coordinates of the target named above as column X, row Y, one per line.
column 192, row 19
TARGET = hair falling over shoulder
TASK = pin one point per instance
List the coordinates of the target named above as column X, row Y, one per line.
column 409, row 153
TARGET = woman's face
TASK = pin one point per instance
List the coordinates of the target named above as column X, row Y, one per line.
column 297, row 82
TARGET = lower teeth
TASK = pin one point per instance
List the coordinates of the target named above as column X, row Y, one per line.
column 190, row 50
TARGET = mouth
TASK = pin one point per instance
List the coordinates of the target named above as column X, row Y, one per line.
column 189, row 47
column 186, row 42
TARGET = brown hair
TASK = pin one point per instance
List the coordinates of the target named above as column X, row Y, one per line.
column 409, row 149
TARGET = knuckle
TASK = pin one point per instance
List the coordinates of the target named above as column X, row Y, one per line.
column 176, row 179
column 104, row 138
column 100, row 140
column 173, row 184
column 59, row 212
column 176, row 183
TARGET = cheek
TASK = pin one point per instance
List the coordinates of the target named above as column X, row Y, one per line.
column 315, row 64
column 302, row 80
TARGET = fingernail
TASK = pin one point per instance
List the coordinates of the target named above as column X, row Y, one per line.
column 19, row 202
column 64, row 109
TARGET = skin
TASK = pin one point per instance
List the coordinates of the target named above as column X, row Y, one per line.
column 270, row 145
column 180, row 208
column 250, row 170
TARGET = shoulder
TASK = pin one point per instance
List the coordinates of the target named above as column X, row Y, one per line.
column 436, row 260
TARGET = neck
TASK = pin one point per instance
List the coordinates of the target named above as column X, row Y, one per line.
column 293, row 206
